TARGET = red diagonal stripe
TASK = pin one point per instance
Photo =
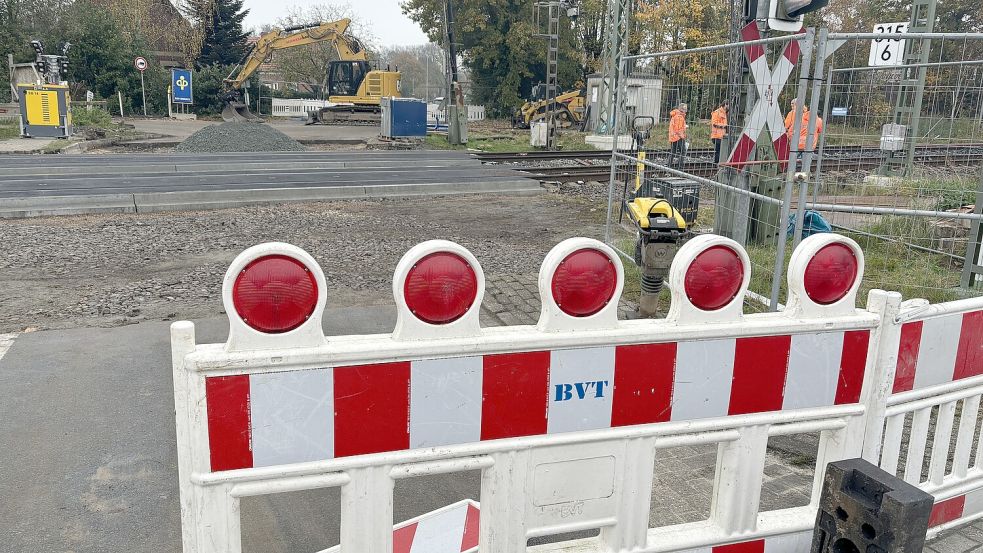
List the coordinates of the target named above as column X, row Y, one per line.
column 741, row 153
column 643, row 376
column 760, row 367
column 227, row 404
column 969, row 356
column 782, row 148
column 403, row 538
column 791, row 51
column 471, row 521
column 372, row 408
column 749, row 33
column 853, row 362
column 911, row 339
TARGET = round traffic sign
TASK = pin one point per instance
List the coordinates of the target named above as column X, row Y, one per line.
column 140, row 64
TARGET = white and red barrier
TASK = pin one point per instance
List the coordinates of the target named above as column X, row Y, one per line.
column 564, row 418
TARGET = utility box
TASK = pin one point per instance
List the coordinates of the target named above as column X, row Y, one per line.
column 45, row 110
column 683, row 194
column 537, row 134
column 892, row 137
column 404, row 118
column 865, row 509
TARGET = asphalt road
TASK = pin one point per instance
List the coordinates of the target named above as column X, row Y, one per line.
column 63, row 184
column 89, row 457
column 24, row 176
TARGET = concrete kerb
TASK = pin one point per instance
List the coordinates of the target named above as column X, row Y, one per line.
column 20, row 208
column 259, row 166
column 221, row 199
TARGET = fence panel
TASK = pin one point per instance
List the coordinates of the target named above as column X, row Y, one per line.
column 566, row 419
column 735, row 165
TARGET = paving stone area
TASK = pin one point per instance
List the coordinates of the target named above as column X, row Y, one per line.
column 683, row 483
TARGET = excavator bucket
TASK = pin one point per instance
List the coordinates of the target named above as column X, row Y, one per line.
column 238, row 111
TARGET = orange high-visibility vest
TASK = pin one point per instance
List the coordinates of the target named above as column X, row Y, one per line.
column 803, row 129
column 677, row 126
column 718, row 123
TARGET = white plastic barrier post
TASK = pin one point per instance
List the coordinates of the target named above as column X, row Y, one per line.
column 565, row 418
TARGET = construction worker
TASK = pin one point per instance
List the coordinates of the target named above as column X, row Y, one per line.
column 677, row 135
column 803, row 127
column 718, row 128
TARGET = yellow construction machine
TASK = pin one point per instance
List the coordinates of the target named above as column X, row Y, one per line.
column 569, row 109
column 354, row 87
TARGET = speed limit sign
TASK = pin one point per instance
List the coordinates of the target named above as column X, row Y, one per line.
column 140, row 64
column 888, row 51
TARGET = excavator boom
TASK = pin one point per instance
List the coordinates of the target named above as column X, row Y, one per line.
column 353, row 64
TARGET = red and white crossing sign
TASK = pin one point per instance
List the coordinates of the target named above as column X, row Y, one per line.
column 451, row 529
column 769, row 83
column 140, row 63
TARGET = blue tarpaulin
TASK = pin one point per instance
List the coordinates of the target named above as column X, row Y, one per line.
column 813, row 223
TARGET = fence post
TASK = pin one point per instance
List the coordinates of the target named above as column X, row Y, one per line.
column 807, row 45
column 882, row 361
column 503, row 502
column 183, row 343
column 367, row 510
column 737, row 482
column 631, row 532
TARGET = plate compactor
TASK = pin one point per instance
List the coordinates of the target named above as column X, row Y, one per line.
column 661, row 228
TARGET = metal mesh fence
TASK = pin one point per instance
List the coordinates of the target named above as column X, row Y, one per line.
column 869, row 155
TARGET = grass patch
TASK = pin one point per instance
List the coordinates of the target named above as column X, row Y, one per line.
column 888, row 266
column 9, row 131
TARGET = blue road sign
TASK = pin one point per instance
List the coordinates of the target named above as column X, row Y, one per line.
column 181, row 86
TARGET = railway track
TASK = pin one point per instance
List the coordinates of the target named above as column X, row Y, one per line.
column 705, row 168
column 829, row 151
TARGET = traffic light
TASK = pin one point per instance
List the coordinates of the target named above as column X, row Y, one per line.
column 786, row 15
column 38, row 47
column 63, row 66
column 42, row 66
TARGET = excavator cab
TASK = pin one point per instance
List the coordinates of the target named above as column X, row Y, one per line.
column 345, row 77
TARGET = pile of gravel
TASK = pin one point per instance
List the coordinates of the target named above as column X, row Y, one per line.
column 239, row 137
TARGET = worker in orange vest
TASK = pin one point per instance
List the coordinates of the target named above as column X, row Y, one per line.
column 803, row 127
column 677, row 135
column 718, row 128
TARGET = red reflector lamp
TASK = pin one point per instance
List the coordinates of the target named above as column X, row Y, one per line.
column 584, row 282
column 440, row 288
column 714, row 278
column 275, row 294
column 831, row 273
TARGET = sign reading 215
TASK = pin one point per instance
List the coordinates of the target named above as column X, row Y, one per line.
column 181, row 86
column 888, row 51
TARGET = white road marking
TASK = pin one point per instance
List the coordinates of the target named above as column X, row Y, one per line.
column 6, row 340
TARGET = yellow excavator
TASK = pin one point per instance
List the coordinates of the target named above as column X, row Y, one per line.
column 569, row 110
column 354, row 87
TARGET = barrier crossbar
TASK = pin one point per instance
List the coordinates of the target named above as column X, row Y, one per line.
column 565, row 419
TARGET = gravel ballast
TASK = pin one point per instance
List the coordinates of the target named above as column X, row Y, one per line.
column 239, row 137
column 109, row 270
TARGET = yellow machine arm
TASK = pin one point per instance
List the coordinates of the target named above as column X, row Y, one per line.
column 349, row 48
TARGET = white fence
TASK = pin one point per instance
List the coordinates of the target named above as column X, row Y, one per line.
column 283, row 107
column 567, row 419
column 436, row 113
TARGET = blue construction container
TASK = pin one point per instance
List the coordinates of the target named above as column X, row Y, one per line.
column 404, row 118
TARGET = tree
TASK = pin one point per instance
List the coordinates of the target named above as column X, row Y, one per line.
column 224, row 40
column 421, row 69
column 498, row 45
column 309, row 64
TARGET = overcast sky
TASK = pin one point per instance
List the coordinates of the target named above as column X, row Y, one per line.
column 388, row 24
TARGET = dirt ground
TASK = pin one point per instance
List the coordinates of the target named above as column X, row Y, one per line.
column 109, row 270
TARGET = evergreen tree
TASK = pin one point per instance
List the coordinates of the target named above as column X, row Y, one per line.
column 224, row 39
